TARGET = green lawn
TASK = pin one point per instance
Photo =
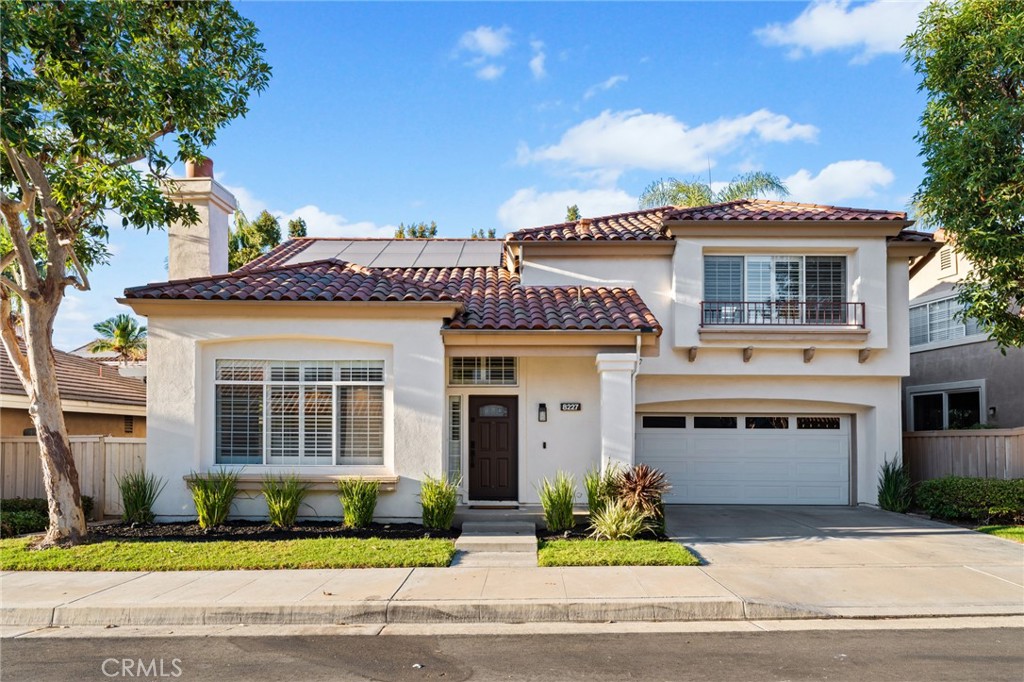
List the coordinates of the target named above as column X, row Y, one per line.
column 122, row 555
column 613, row 553
column 1015, row 533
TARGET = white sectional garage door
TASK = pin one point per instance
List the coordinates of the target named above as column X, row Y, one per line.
column 749, row 458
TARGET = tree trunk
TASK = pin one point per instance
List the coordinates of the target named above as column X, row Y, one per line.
column 60, row 478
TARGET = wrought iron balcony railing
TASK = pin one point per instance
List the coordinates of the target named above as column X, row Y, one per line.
column 783, row 313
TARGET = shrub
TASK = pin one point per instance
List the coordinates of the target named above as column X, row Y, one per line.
column 139, row 491
column 599, row 487
column 22, row 521
column 616, row 520
column 895, row 491
column 213, row 495
column 39, row 504
column 358, row 500
column 438, row 497
column 557, row 498
column 977, row 499
column 284, row 496
column 642, row 487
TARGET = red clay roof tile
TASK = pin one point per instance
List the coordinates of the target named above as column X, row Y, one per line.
column 766, row 209
column 81, row 379
column 643, row 225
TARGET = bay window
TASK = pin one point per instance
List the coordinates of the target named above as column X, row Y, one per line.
column 299, row 413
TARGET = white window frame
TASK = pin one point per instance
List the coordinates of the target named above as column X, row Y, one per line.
column 958, row 334
column 304, row 385
column 485, row 371
column 945, row 389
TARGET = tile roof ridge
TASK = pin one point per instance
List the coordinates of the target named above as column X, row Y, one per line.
column 592, row 219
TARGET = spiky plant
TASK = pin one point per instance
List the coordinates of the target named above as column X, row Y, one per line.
column 284, row 496
column 557, row 498
column 642, row 487
column 139, row 491
column 358, row 501
column 600, row 486
column 616, row 520
column 213, row 495
column 895, row 490
column 438, row 497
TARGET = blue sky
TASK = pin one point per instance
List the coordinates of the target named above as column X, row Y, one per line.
column 498, row 115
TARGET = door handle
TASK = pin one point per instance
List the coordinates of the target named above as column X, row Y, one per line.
column 472, row 454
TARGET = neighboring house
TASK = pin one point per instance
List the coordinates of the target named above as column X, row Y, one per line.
column 752, row 350
column 958, row 378
column 135, row 368
column 96, row 399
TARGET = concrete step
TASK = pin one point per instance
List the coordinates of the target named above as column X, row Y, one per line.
column 497, row 543
column 494, row 559
column 498, row 528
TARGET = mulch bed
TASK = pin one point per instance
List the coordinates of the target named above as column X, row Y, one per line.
column 582, row 532
column 260, row 530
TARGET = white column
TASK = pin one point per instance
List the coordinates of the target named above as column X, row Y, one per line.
column 618, row 410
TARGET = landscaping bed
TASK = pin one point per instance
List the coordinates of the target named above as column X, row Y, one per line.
column 577, row 547
column 222, row 555
column 261, row 530
column 582, row 552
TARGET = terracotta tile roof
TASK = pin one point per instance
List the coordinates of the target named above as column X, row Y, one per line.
column 494, row 299
column 765, row 209
column 324, row 280
column 81, row 379
column 643, row 225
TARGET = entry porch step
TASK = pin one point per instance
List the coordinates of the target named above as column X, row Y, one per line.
column 483, row 542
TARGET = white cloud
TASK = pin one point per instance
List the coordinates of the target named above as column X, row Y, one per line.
column 486, row 41
column 537, row 62
column 320, row 223
column 530, row 208
column 839, row 182
column 604, row 85
column 658, row 142
column 871, row 29
column 489, row 72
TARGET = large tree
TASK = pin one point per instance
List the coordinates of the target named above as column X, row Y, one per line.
column 418, row 230
column 121, row 335
column 970, row 56
column 90, row 90
column 251, row 239
column 673, row 192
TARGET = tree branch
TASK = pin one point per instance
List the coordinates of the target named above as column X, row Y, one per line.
column 82, row 282
column 10, row 341
column 9, row 283
column 169, row 127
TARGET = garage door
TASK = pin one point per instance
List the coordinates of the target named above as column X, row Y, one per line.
column 749, row 458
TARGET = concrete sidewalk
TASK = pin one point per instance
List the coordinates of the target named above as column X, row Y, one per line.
column 502, row 595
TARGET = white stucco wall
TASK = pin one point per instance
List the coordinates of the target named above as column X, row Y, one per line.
column 183, row 353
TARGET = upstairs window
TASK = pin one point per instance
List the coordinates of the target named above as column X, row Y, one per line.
column 500, row 371
column 939, row 321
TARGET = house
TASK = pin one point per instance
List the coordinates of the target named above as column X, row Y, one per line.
column 752, row 350
column 958, row 378
column 96, row 399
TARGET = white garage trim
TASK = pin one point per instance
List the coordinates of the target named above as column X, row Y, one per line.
column 763, row 458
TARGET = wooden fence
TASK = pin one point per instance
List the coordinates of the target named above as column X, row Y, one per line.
column 982, row 453
column 100, row 460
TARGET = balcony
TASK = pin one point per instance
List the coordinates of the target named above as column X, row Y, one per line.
column 783, row 314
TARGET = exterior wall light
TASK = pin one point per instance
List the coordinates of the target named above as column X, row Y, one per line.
column 542, row 412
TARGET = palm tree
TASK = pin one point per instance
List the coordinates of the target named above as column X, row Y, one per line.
column 122, row 335
column 672, row 192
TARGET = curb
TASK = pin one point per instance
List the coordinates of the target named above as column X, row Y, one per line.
column 385, row 612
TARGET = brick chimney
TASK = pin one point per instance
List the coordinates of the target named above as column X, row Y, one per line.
column 199, row 250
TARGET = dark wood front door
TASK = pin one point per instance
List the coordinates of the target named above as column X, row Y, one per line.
column 493, row 448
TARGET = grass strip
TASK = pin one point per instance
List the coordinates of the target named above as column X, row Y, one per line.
column 132, row 555
column 1015, row 533
column 613, row 553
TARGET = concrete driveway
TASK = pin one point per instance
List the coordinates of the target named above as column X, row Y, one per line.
column 852, row 560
